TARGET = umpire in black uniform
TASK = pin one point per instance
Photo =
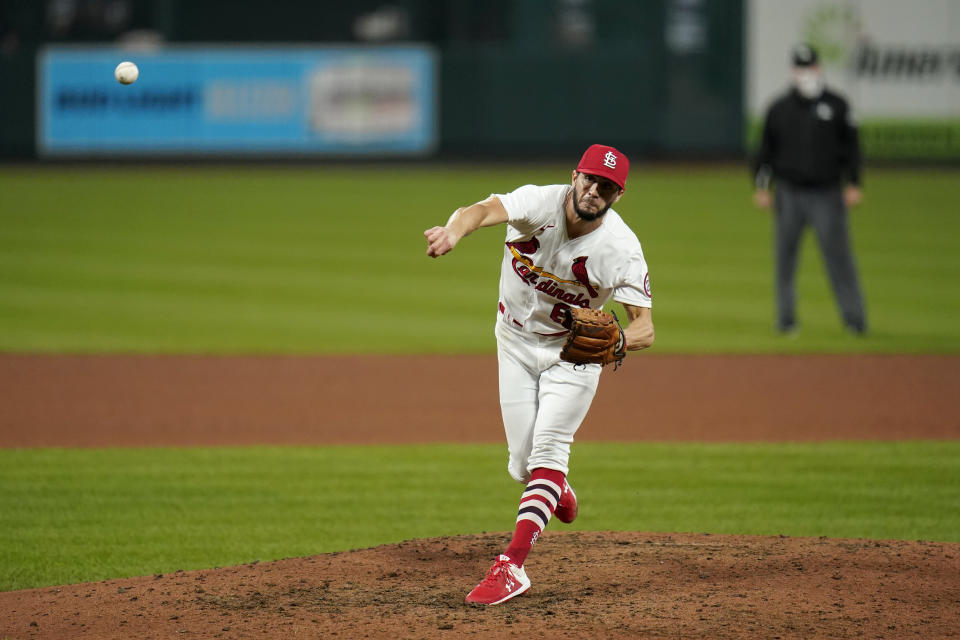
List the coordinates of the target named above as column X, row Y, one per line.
column 811, row 151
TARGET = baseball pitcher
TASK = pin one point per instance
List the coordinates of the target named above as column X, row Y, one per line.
column 566, row 254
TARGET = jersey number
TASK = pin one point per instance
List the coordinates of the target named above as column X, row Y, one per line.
column 559, row 313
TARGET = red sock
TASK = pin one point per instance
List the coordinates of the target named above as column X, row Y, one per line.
column 537, row 504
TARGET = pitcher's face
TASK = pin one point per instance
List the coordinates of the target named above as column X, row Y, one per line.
column 593, row 195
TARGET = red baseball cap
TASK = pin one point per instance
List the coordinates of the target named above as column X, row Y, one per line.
column 601, row 160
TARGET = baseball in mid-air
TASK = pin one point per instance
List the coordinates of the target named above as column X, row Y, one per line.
column 126, row 73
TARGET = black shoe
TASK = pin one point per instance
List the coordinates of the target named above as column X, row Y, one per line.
column 855, row 325
column 788, row 330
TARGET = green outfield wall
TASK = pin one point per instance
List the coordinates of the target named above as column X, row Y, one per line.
column 533, row 79
column 518, row 79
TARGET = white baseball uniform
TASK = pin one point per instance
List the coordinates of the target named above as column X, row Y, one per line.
column 544, row 399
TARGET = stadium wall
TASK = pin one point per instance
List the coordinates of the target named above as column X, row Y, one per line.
column 519, row 79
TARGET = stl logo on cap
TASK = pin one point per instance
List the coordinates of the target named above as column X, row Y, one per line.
column 608, row 162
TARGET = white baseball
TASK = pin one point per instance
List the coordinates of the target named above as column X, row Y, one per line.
column 126, row 73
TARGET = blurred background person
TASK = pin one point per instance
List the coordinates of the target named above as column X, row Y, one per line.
column 810, row 151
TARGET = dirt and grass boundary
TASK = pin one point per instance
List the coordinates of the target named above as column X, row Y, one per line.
column 602, row 584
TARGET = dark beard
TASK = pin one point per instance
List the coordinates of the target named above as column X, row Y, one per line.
column 583, row 215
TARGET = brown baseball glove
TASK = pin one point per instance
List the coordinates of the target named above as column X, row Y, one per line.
column 596, row 337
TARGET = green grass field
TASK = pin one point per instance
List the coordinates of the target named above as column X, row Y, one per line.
column 81, row 515
column 248, row 259
column 203, row 259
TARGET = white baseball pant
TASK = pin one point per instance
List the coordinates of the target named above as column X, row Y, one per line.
column 543, row 400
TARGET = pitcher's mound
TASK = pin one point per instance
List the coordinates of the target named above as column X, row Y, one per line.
column 585, row 585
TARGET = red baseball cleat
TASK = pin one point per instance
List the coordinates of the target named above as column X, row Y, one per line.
column 504, row 581
column 567, row 507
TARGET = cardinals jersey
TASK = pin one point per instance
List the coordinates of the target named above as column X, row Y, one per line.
column 544, row 271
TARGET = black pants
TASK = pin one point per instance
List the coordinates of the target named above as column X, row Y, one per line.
column 824, row 210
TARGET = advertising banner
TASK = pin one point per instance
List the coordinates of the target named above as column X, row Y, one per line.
column 238, row 100
column 897, row 62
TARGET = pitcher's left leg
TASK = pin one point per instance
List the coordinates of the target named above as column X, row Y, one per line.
column 566, row 393
column 564, row 398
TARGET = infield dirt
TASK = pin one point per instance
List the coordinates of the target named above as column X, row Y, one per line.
column 585, row 584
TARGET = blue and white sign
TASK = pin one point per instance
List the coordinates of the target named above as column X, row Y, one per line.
column 212, row 100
